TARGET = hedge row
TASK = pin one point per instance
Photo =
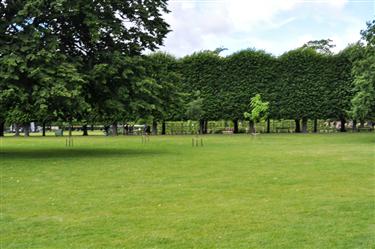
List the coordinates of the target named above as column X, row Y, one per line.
column 300, row 84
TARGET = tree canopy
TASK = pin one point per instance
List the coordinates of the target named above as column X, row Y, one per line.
column 363, row 103
column 69, row 59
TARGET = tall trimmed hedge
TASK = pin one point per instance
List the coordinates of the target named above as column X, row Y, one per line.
column 304, row 83
column 203, row 72
column 300, row 84
column 245, row 74
column 341, row 87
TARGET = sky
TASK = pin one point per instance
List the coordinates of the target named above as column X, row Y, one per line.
column 275, row 26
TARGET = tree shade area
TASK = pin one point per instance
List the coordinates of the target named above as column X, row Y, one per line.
column 85, row 62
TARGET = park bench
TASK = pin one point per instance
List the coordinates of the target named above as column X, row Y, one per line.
column 364, row 129
column 227, row 132
column 282, row 129
column 59, row 133
column 327, row 129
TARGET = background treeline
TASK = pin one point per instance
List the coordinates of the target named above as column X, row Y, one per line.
column 84, row 62
column 301, row 84
column 306, row 83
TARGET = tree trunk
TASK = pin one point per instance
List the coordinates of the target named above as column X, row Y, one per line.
column 201, row 126
column 235, row 126
column 163, row 128
column 251, row 127
column 154, row 127
column 2, row 125
column 84, row 129
column 268, row 125
column 26, row 130
column 44, row 129
column 70, row 129
column 17, row 130
column 92, row 127
column 342, row 128
column 304, row 125
column 114, row 129
column 354, row 128
column 205, row 127
column 106, row 129
column 298, row 126
column 362, row 124
column 315, row 125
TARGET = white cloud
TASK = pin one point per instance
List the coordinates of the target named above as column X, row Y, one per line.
column 238, row 24
column 351, row 35
column 337, row 3
column 246, row 15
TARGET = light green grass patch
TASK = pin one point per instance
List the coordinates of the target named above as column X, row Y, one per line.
column 268, row 191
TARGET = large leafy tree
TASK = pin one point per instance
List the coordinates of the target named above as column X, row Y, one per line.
column 163, row 69
column 40, row 87
column 88, row 35
column 120, row 89
column 363, row 103
column 36, row 79
column 88, row 27
column 324, row 46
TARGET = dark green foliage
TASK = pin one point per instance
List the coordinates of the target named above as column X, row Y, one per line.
column 195, row 110
column 88, row 27
column 65, row 59
column 363, row 103
column 203, row 72
column 120, row 88
column 163, row 69
column 300, row 84
column 303, row 84
column 340, row 90
column 38, row 82
column 247, row 73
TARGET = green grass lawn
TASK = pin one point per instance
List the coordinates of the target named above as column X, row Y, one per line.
column 268, row 191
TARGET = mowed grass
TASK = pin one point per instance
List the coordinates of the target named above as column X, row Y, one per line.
column 268, row 191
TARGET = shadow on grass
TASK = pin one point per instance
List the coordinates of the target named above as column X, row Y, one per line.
column 62, row 153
